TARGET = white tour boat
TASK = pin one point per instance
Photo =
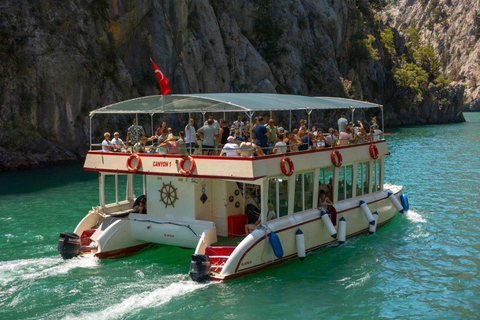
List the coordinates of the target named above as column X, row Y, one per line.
column 200, row 202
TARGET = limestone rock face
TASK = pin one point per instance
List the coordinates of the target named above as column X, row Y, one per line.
column 60, row 60
column 452, row 27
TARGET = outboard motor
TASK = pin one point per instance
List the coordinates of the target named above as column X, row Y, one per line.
column 69, row 245
column 200, row 268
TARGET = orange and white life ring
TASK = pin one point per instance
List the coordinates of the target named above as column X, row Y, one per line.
column 290, row 165
column 336, row 158
column 373, row 151
column 129, row 162
column 192, row 165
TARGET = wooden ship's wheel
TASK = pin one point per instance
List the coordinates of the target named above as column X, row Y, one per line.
column 168, row 194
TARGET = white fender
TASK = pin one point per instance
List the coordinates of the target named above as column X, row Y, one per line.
column 300, row 239
column 373, row 228
column 367, row 213
column 328, row 223
column 395, row 202
column 342, row 230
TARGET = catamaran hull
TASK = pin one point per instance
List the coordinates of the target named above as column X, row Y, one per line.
column 255, row 252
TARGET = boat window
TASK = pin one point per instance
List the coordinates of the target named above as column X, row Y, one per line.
column 362, row 178
column 326, row 174
column 345, row 182
column 115, row 188
column 376, row 176
column 303, row 192
column 278, row 196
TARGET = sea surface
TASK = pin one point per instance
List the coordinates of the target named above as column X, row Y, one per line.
column 422, row 265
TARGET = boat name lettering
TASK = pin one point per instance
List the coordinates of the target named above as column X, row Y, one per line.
column 162, row 164
column 168, row 235
column 246, row 263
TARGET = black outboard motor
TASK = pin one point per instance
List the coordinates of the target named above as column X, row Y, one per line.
column 200, row 268
column 69, row 245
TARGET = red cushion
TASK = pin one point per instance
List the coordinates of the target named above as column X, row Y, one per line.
column 236, row 225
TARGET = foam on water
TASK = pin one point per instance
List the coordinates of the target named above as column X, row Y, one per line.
column 147, row 299
column 26, row 269
column 414, row 216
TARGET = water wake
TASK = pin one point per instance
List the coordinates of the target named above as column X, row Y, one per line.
column 26, row 269
column 414, row 216
column 148, row 299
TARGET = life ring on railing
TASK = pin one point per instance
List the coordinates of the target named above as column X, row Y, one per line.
column 373, row 151
column 290, row 165
column 334, row 156
column 129, row 162
column 192, row 165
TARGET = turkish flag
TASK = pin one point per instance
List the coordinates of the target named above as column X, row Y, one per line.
column 162, row 80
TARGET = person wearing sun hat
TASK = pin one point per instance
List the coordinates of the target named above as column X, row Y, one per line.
column 230, row 149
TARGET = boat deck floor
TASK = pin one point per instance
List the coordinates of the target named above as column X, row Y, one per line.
column 228, row 240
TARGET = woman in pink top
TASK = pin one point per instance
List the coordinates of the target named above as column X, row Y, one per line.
column 346, row 137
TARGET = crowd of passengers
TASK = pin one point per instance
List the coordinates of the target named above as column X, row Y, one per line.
column 219, row 138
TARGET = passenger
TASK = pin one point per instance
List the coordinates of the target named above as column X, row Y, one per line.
column 198, row 151
column 253, row 216
column 361, row 134
column 171, row 146
column 253, row 126
column 140, row 205
column 210, row 133
column 331, row 138
column 134, row 133
column 295, row 133
column 230, row 149
column 106, row 144
column 280, row 146
column 224, row 132
column 190, row 135
column 162, row 131
column 272, row 135
column 375, row 132
column 346, row 137
column 141, row 147
column 330, row 188
column 182, row 146
column 117, row 142
column 306, row 141
column 292, row 144
column 215, row 122
column 162, row 147
column 342, row 123
column 262, row 135
column 238, row 125
column 320, row 140
column 170, row 134
column 324, row 201
column 303, row 125
column 271, row 214
column 249, row 149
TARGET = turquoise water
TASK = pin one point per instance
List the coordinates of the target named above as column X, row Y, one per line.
column 422, row 265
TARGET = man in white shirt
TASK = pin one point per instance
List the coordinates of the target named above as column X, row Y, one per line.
column 117, row 142
column 190, row 136
column 231, row 149
column 238, row 125
column 106, row 144
column 342, row 123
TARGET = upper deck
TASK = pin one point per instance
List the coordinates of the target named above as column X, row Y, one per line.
column 231, row 168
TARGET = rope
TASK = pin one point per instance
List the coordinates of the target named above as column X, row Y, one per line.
column 172, row 223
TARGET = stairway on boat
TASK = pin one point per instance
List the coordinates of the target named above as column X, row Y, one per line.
column 86, row 241
column 219, row 255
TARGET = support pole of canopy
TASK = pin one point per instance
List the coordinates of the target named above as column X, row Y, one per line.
column 91, row 116
column 151, row 121
column 309, row 112
column 203, row 117
column 290, row 122
column 353, row 112
column 250, row 115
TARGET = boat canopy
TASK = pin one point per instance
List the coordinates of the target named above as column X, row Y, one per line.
column 229, row 102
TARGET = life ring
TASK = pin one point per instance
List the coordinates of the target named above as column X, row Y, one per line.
column 129, row 162
column 290, row 165
column 334, row 156
column 192, row 165
column 373, row 151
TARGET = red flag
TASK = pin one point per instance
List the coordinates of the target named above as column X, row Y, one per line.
column 162, row 80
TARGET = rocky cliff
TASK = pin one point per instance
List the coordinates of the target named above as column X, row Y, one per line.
column 452, row 29
column 61, row 59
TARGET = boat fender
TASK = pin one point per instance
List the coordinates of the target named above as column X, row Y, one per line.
column 69, row 245
column 328, row 223
column 395, row 202
column 367, row 212
column 200, row 268
column 300, row 239
column 373, row 151
column 342, row 230
column 404, row 202
column 336, row 158
column 182, row 163
column 373, row 228
column 129, row 163
column 290, row 165
column 276, row 245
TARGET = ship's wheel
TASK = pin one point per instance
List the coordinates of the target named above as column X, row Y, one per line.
column 168, row 194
